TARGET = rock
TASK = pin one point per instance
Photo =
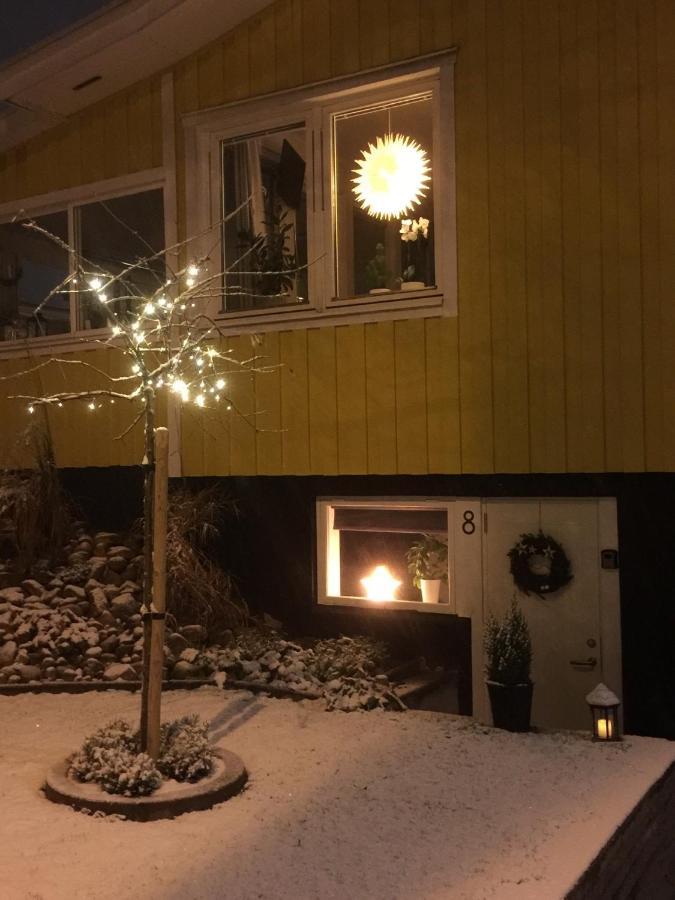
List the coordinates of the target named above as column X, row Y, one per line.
column 55, row 583
column 124, row 606
column 190, row 655
column 119, row 671
column 8, row 652
column 6, row 622
column 116, row 564
column 195, row 635
column 66, row 673
column 93, row 652
column 110, row 643
column 12, row 595
column 184, row 670
column 107, row 538
column 79, row 556
column 72, row 591
column 250, row 666
column 111, row 591
column 14, row 679
column 130, row 587
column 106, row 618
column 98, row 601
column 113, row 578
column 30, row 586
column 28, row 673
column 98, row 566
column 122, row 551
column 176, row 644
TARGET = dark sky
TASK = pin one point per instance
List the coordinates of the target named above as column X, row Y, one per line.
column 27, row 22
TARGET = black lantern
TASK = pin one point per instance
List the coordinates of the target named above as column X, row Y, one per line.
column 604, row 706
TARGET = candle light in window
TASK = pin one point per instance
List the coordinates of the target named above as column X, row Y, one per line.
column 380, row 584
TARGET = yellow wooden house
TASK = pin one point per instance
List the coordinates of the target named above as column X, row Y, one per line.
column 504, row 368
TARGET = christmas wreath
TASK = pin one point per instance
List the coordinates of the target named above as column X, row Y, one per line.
column 539, row 564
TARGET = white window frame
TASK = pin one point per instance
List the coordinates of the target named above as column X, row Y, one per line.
column 327, row 549
column 68, row 201
column 316, row 105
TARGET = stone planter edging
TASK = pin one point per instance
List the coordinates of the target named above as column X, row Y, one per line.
column 204, row 794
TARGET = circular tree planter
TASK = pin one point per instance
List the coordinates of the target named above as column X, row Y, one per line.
column 171, row 799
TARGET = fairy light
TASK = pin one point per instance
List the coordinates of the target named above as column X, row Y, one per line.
column 95, row 284
column 199, row 400
column 31, row 410
column 193, row 270
column 103, row 298
column 116, row 330
column 135, row 368
column 91, row 405
column 149, row 309
column 220, row 384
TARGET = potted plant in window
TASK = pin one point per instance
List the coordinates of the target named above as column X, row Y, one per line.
column 508, row 649
column 427, row 561
column 415, row 236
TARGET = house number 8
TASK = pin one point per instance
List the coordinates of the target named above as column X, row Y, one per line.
column 468, row 525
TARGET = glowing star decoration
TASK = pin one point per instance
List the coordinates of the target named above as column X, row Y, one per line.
column 392, row 177
column 380, row 584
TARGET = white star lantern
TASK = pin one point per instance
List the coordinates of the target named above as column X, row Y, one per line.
column 392, row 176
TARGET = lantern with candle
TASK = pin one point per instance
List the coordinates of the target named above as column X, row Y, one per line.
column 604, row 705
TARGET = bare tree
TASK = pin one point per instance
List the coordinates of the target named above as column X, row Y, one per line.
column 163, row 322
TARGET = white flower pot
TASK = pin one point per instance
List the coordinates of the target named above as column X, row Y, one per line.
column 430, row 590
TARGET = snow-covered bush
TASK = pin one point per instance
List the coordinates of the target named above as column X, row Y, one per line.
column 508, row 648
column 184, row 750
column 112, row 759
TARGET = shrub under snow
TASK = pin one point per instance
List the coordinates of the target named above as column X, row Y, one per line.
column 112, row 759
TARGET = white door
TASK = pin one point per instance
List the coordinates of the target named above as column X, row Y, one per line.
column 573, row 649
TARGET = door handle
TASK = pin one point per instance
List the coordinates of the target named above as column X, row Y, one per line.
column 589, row 663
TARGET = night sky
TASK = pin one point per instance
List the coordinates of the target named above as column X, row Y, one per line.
column 27, row 22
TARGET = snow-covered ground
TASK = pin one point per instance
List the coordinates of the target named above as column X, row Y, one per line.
column 360, row 805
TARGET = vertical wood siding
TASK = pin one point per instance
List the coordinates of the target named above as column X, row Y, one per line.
column 561, row 356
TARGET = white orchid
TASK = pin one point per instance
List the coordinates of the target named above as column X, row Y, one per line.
column 411, row 228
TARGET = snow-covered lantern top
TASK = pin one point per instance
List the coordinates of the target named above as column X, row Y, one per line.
column 604, row 706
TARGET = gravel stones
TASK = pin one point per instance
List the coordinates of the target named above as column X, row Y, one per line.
column 119, row 671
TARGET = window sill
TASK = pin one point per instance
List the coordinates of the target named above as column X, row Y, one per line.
column 444, row 609
column 48, row 344
column 402, row 304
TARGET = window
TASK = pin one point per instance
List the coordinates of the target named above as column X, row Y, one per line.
column 32, row 266
column 393, row 554
column 106, row 234
column 335, row 200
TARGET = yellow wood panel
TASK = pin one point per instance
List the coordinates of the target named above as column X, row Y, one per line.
column 351, row 399
column 473, row 240
column 665, row 40
column 374, row 33
column 139, row 127
column 236, row 72
column 591, row 436
column 210, row 75
column 216, row 423
column 630, row 288
column 436, row 25
column 654, row 361
column 115, row 143
column 404, row 19
column 262, row 47
column 411, row 398
column 288, row 43
column 315, row 40
column 344, row 36
column 92, row 145
column 294, row 402
column 381, row 397
column 244, row 424
column 268, row 408
column 322, row 385
column 442, row 386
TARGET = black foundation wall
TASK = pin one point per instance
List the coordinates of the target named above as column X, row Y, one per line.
column 270, row 547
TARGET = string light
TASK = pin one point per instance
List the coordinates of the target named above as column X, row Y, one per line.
column 149, row 309
column 116, row 330
column 31, row 409
column 220, row 384
column 95, row 284
column 199, row 400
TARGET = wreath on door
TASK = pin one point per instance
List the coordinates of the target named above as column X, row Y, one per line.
column 539, row 564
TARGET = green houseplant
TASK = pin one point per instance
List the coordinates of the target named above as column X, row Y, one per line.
column 508, row 650
column 427, row 560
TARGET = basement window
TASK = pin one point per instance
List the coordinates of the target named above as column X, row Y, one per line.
column 366, row 548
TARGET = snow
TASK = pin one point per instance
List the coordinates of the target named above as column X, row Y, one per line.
column 360, row 805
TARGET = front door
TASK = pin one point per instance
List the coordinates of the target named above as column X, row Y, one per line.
column 573, row 649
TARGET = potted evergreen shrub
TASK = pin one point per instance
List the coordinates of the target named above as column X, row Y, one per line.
column 508, row 649
column 427, row 561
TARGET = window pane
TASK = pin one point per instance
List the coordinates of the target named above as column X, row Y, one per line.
column 264, row 220
column 31, row 265
column 117, row 233
column 380, row 255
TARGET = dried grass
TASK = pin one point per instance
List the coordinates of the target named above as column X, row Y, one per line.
column 198, row 590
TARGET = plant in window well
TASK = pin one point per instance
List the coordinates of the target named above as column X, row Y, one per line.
column 415, row 237
column 427, row 561
column 508, row 650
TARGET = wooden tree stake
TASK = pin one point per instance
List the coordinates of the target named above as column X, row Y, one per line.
column 159, row 590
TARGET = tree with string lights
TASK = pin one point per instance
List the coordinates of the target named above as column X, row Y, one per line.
column 172, row 344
